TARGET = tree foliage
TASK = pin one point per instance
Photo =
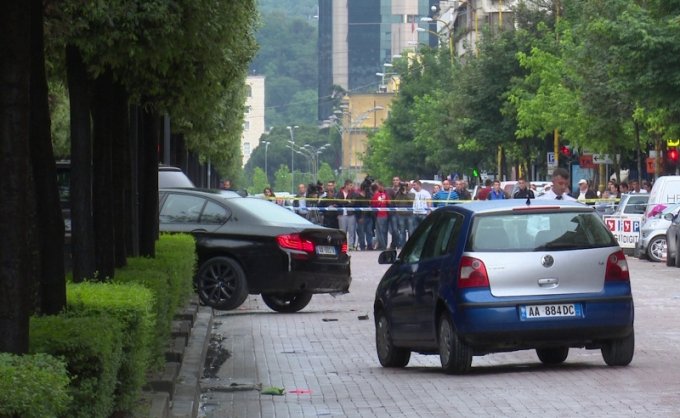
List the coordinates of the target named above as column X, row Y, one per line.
column 603, row 74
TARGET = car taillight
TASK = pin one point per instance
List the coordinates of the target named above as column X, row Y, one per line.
column 472, row 273
column 343, row 248
column 617, row 267
column 296, row 243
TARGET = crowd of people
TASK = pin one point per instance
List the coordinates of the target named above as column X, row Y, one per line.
column 370, row 213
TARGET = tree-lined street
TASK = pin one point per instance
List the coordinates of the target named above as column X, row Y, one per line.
column 329, row 350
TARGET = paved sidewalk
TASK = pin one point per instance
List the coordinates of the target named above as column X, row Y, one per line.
column 328, row 350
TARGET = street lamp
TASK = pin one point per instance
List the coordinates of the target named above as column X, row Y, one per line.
column 292, row 158
column 314, row 153
column 266, row 147
column 439, row 35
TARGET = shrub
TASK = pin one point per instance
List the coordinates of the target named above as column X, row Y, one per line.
column 132, row 305
column 33, row 386
column 169, row 276
column 91, row 347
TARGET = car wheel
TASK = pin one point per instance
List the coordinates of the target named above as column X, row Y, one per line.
column 388, row 354
column 619, row 352
column 287, row 302
column 657, row 248
column 221, row 283
column 552, row 355
column 455, row 355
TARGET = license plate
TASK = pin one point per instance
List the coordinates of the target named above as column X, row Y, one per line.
column 325, row 250
column 550, row 311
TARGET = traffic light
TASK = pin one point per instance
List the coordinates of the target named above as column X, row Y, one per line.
column 475, row 173
column 565, row 151
column 673, row 155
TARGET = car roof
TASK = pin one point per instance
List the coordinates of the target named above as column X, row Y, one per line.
column 505, row 205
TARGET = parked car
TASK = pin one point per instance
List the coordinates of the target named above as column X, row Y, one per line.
column 653, row 243
column 497, row 276
column 247, row 246
column 172, row 177
column 168, row 176
column 673, row 238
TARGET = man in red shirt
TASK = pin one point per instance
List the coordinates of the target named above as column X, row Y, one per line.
column 381, row 202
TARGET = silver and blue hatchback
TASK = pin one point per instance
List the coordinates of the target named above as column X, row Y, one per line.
column 508, row 275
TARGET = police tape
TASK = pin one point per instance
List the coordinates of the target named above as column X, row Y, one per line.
column 331, row 200
column 352, row 209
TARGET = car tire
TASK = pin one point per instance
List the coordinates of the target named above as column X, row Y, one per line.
column 221, row 283
column 287, row 302
column 619, row 352
column 455, row 355
column 552, row 356
column 388, row 354
column 656, row 251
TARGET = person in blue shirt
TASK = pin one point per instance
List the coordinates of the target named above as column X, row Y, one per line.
column 496, row 193
column 446, row 196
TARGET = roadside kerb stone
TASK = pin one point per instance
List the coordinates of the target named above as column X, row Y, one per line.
column 187, row 393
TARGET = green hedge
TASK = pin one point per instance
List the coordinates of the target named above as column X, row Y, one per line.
column 33, row 386
column 131, row 305
column 92, row 348
column 169, row 276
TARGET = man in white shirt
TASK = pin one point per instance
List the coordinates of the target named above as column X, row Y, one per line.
column 422, row 201
column 560, row 189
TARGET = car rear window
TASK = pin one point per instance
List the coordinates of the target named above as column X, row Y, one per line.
column 268, row 212
column 539, row 232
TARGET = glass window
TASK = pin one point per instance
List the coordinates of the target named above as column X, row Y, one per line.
column 636, row 205
column 539, row 231
column 413, row 250
column 214, row 214
column 268, row 212
column 179, row 208
column 438, row 242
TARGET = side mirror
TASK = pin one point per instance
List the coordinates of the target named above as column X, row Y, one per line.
column 669, row 217
column 387, row 257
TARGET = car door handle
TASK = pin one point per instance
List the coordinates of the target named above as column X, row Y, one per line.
column 199, row 230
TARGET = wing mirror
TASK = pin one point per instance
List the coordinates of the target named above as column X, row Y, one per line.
column 387, row 257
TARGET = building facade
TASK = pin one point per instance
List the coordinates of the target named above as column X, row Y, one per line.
column 253, row 118
column 356, row 39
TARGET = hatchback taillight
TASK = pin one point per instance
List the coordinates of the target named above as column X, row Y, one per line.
column 295, row 243
column 617, row 267
column 472, row 273
column 343, row 248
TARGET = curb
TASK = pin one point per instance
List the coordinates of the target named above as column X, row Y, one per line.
column 175, row 391
column 187, row 392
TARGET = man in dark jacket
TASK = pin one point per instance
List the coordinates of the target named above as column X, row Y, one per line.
column 584, row 194
column 523, row 192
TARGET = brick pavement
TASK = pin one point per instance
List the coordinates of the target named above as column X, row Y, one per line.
column 336, row 360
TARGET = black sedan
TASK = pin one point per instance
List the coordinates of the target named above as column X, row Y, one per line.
column 252, row 246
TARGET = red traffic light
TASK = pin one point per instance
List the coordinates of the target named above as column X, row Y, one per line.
column 565, row 150
column 673, row 155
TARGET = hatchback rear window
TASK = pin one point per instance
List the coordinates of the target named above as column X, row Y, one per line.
column 539, row 232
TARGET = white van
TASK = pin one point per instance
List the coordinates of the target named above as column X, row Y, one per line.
column 666, row 191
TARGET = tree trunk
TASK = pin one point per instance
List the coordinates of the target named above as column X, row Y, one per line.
column 148, row 186
column 132, row 208
column 82, row 227
column 52, row 284
column 17, row 208
column 122, row 178
column 102, row 197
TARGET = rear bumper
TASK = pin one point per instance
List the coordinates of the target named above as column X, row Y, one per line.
column 498, row 326
column 313, row 278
